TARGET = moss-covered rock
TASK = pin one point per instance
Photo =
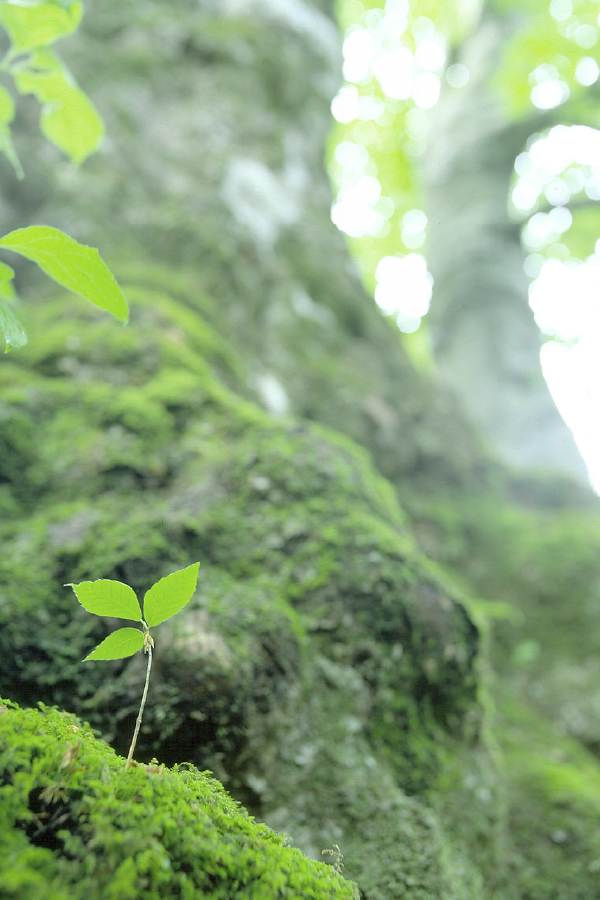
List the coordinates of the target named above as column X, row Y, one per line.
column 324, row 670
column 295, row 532
column 332, row 671
column 75, row 824
column 535, row 565
column 528, row 558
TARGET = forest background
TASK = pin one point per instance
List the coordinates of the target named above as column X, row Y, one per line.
column 393, row 645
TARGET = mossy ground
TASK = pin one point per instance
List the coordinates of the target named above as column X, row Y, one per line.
column 326, row 670
column 321, row 660
column 74, row 824
column 528, row 558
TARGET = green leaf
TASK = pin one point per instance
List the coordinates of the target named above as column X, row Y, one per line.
column 74, row 126
column 35, row 26
column 68, row 118
column 584, row 232
column 118, row 645
column 7, row 112
column 108, row 598
column 170, row 594
column 7, row 107
column 71, row 264
column 11, row 328
column 6, row 286
column 6, row 146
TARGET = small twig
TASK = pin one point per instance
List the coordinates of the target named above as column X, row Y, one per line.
column 148, row 642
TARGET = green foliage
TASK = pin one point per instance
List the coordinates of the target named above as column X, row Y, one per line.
column 74, row 825
column 36, row 24
column 553, row 787
column 10, row 326
column 581, row 237
column 540, row 41
column 68, row 118
column 317, row 620
column 71, row 264
column 108, row 598
column 118, row 645
column 71, row 122
column 314, row 605
column 7, row 114
column 169, row 595
column 112, row 598
column 67, row 262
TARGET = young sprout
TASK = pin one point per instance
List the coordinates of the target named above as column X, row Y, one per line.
column 113, row 598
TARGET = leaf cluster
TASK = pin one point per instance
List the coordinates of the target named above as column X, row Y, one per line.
column 113, row 598
column 68, row 117
column 70, row 120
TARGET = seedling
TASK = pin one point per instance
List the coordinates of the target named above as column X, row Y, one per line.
column 113, row 598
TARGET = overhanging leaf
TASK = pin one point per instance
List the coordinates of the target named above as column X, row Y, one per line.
column 170, row 594
column 108, row 598
column 74, row 126
column 35, row 26
column 75, row 266
column 118, row 645
column 68, row 119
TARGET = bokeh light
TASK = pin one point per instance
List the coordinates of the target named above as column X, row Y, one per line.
column 394, row 68
column 559, row 167
column 404, row 288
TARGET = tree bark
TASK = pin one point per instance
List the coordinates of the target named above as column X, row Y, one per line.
column 486, row 343
column 216, row 120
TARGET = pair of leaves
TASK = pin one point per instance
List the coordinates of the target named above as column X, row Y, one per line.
column 68, row 118
column 113, row 598
column 73, row 265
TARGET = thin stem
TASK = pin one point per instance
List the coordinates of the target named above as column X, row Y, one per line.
column 138, row 721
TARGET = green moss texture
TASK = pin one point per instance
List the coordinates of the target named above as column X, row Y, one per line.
column 327, row 671
column 75, row 824
column 323, row 670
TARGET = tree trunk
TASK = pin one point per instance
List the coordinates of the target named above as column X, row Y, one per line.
column 485, row 339
column 216, row 125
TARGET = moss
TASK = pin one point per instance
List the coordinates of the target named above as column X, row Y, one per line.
column 326, row 670
column 74, row 824
column 538, row 570
column 311, row 587
column 171, row 467
column 554, row 795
